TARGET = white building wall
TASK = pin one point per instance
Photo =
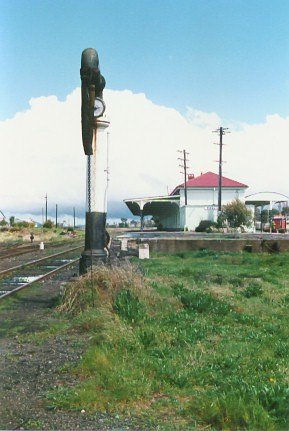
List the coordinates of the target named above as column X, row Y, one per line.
column 194, row 214
column 203, row 204
column 210, row 196
column 182, row 217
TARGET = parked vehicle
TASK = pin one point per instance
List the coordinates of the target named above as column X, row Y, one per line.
column 279, row 223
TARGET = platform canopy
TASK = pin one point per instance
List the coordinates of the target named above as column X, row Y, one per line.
column 266, row 198
column 151, row 205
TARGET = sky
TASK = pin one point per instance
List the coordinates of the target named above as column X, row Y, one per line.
column 174, row 72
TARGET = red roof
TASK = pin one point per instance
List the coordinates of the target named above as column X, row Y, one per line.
column 208, row 180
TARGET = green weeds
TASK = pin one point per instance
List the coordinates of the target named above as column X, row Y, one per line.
column 253, row 289
column 128, row 306
column 203, row 302
column 198, row 340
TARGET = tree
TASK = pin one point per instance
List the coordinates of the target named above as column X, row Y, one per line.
column 273, row 212
column 264, row 216
column 12, row 221
column 257, row 214
column 123, row 222
column 237, row 214
column 267, row 215
column 285, row 211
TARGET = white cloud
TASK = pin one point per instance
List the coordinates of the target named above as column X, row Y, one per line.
column 42, row 150
column 198, row 118
column 39, row 154
column 259, row 155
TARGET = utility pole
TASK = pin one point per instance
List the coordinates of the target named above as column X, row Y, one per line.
column 185, row 167
column 221, row 131
column 73, row 218
column 46, row 207
column 56, row 208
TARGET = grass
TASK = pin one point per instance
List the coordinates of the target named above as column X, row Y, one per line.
column 189, row 341
column 33, row 424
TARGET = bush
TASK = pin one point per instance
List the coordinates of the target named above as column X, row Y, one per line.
column 14, row 229
column 205, row 225
column 122, row 225
column 22, row 224
column 48, row 224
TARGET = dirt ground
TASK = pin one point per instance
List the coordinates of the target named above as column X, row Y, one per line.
column 31, row 367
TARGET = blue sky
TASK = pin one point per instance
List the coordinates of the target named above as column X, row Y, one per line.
column 224, row 56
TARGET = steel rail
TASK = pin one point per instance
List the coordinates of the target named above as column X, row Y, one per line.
column 41, row 277
column 27, row 249
column 14, row 251
column 18, row 253
column 32, row 262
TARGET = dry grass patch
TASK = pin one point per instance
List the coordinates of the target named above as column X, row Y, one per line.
column 102, row 286
column 220, row 291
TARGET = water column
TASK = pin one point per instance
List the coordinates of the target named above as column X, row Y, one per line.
column 96, row 200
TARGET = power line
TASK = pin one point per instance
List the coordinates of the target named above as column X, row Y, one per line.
column 185, row 167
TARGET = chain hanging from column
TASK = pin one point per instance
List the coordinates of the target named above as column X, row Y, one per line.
column 89, row 183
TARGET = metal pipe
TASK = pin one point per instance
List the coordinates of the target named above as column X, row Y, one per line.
column 56, row 208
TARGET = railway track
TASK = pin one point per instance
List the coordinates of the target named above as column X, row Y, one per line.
column 16, row 278
column 19, row 249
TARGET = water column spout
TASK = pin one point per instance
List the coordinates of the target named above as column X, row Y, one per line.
column 96, row 203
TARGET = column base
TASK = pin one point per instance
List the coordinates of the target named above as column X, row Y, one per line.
column 92, row 258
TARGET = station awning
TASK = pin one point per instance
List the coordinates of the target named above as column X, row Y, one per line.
column 152, row 205
column 265, row 198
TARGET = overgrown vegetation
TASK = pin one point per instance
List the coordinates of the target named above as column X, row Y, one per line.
column 205, row 226
column 16, row 234
column 190, row 341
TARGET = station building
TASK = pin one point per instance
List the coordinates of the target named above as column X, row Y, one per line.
column 202, row 202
